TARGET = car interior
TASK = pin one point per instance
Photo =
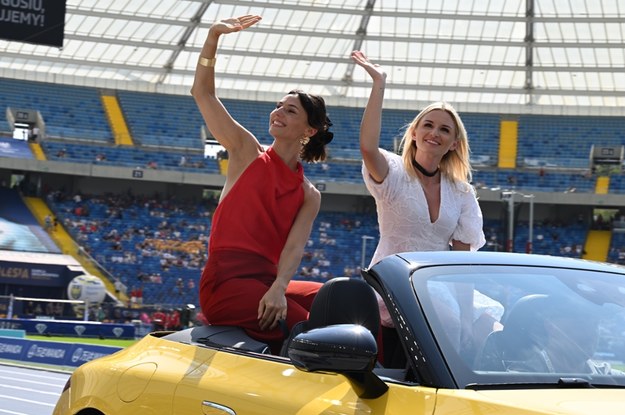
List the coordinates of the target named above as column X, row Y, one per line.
column 523, row 333
column 341, row 300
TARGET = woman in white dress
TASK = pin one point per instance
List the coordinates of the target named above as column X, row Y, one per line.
column 424, row 198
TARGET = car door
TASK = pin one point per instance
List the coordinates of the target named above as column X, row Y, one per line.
column 247, row 384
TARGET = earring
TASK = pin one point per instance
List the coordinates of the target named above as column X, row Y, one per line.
column 304, row 140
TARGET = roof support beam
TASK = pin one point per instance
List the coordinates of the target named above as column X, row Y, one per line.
column 323, row 8
column 529, row 50
column 195, row 22
column 309, row 34
column 43, row 60
column 361, row 33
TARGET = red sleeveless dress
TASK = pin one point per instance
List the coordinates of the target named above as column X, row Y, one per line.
column 248, row 232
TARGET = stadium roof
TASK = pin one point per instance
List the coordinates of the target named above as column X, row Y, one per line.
column 539, row 56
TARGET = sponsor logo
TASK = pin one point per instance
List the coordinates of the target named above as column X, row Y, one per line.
column 118, row 331
column 31, row 351
column 82, row 355
column 10, row 348
column 77, row 354
column 10, row 325
column 41, row 328
column 79, row 330
column 75, row 291
column 42, row 352
column 42, row 274
column 21, row 273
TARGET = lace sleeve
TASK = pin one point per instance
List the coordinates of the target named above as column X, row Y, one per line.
column 385, row 190
column 470, row 225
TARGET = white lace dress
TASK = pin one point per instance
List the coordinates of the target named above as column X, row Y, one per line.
column 404, row 218
column 405, row 224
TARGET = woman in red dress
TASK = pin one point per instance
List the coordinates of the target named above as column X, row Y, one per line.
column 266, row 209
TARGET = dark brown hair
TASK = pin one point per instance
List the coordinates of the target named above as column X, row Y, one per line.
column 315, row 108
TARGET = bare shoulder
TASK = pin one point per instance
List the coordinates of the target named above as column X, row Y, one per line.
column 311, row 193
column 240, row 159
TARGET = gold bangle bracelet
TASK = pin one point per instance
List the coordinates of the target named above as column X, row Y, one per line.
column 207, row 62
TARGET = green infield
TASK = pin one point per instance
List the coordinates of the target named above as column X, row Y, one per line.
column 84, row 340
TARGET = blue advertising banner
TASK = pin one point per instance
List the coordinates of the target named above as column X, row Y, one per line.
column 83, row 353
column 33, row 274
column 70, row 328
column 33, row 21
column 52, row 353
column 11, row 348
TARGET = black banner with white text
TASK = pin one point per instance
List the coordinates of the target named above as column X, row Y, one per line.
column 33, row 21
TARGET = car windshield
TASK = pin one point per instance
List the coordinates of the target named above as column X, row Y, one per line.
column 500, row 325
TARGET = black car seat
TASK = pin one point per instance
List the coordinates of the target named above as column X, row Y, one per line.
column 523, row 334
column 340, row 300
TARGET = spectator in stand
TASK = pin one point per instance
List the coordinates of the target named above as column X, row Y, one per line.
column 48, row 222
column 267, row 206
column 180, row 286
column 34, row 134
column 159, row 319
column 145, row 318
column 173, row 320
column 118, row 287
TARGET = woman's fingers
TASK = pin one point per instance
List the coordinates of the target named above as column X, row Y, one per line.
column 249, row 19
column 270, row 316
column 235, row 24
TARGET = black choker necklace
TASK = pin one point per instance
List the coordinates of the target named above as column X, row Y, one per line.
column 423, row 170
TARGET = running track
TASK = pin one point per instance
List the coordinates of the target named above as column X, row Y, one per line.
column 29, row 391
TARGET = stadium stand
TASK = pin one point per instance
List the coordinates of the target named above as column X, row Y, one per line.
column 565, row 141
column 69, row 112
column 152, row 244
column 129, row 157
column 168, row 127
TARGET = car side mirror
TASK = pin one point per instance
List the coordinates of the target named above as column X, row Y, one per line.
column 348, row 349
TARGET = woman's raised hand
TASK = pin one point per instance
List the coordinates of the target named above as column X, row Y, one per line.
column 234, row 24
column 373, row 69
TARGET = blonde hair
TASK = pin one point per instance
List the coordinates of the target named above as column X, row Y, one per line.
column 455, row 165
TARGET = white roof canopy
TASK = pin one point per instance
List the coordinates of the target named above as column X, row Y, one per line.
column 541, row 56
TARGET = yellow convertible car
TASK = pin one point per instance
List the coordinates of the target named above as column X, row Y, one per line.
column 419, row 333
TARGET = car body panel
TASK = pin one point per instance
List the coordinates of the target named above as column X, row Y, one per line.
column 246, row 385
column 177, row 374
column 286, row 390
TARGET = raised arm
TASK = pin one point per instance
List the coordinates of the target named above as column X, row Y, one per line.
column 227, row 131
column 371, row 124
